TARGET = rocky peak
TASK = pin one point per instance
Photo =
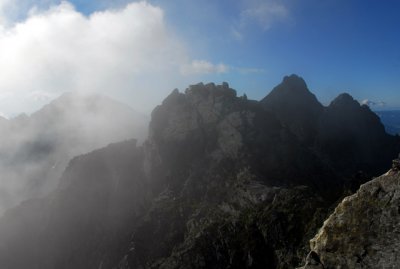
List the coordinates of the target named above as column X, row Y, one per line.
column 344, row 100
column 211, row 88
column 295, row 106
column 203, row 121
column 209, row 94
column 199, row 105
column 292, row 86
column 294, row 83
column 353, row 137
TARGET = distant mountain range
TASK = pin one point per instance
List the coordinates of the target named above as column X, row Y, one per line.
column 391, row 120
column 220, row 182
column 35, row 150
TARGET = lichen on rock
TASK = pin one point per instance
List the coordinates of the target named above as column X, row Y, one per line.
column 364, row 230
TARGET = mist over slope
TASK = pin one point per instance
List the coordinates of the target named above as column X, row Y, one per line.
column 35, row 149
column 220, row 182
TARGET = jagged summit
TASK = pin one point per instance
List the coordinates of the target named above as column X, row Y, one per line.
column 201, row 93
column 211, row 89
column 294, row 82
column 344, row 100
column 294, row 104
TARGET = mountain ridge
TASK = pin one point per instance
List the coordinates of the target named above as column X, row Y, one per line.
column 221, row 182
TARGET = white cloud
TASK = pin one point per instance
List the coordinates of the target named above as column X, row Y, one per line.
column 372, row 103
column 203, row 67
column 262, row 13
column 127, row 53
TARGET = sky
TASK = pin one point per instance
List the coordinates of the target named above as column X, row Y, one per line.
column 139, row 51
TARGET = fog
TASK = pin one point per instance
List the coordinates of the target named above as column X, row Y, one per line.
column 35, row 149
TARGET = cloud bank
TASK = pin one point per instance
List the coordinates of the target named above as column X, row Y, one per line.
column 129, row 53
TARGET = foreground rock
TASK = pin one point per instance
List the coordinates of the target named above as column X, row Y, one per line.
column 364, row 230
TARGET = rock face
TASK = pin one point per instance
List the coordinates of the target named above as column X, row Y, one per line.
column 364, row 231
column 221, row 182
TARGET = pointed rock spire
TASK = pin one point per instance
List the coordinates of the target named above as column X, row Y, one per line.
column 295, row 106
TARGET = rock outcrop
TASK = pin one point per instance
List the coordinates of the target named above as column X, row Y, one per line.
column 363, row 231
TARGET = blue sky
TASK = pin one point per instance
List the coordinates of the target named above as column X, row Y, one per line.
column 335, row 45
